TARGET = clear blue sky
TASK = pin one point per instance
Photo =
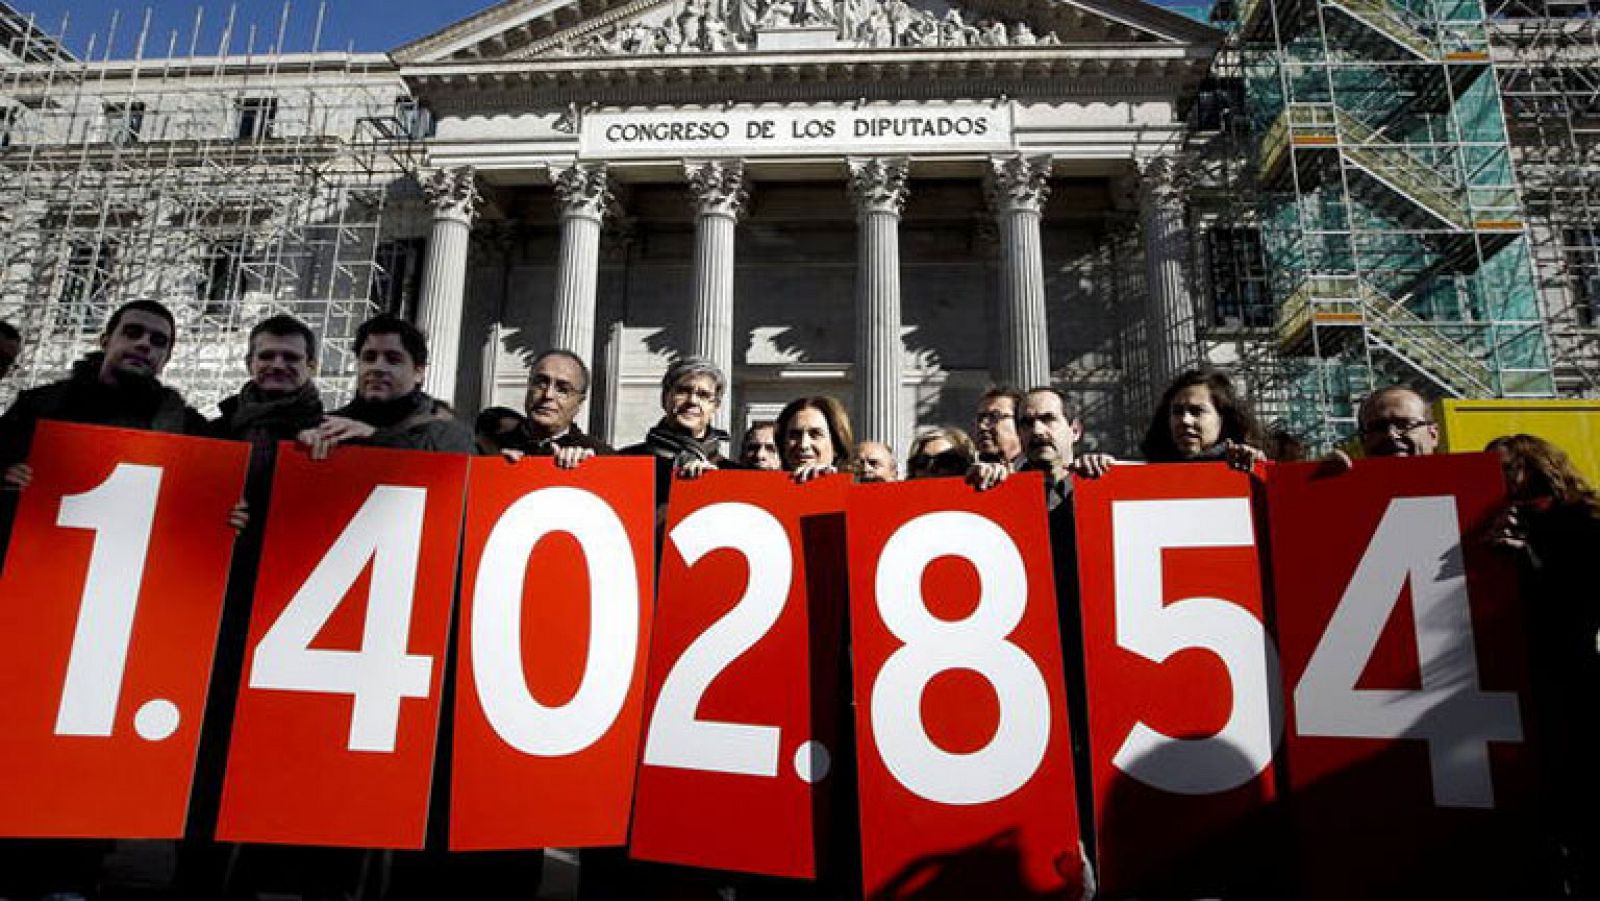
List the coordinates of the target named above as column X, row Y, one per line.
column 375, row 25
column 365, row 24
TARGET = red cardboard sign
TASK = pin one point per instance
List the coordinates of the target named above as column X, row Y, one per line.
column 743, row 688
column 1404, row 656
column 109, row 607
column 555, row 607
column 1182, row 677
column 333, row 739
column 965, row 774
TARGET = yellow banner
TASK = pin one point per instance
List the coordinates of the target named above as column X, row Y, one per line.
column 1574, row 425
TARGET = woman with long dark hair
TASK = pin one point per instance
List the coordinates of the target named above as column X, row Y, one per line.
column 1552, row 523
column 814, row 437
column 1201, row 417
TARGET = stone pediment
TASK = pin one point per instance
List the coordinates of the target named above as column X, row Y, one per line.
column 531, row 30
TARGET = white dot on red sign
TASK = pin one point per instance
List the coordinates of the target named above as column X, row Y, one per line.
column 811, row 761
column 156, row 720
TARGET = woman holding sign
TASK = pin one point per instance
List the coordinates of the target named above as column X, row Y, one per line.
column 1201, row 417
column 814, row 437
column 1552, row 524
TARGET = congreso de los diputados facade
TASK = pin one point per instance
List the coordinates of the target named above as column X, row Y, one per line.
column 895, row 202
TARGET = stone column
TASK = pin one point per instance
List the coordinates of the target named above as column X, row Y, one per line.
column 1017, row 188
column 454, row 196
column 878, row 186
column 582, row 193
column 1169, row 310
column 717, row 190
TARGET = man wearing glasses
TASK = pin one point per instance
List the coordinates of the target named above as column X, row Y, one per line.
column 557, row 386
column 996, row 428
column 1395, row 423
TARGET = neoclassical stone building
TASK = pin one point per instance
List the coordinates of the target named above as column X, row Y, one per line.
column 897, row 203
column 894, row 203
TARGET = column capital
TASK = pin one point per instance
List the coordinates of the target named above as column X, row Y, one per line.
column 453, row 193
column 1018, row 184
column 1162, row 181
column 582, row 190
column 716, row 187
column 878, row 184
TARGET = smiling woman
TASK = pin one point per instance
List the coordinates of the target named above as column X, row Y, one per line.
column 814, row 437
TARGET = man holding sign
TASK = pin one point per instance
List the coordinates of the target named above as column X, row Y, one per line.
column 390, row 409
column 1050, row 433
column 278, row 402
column 558, row 384
column 1392, row 422
column 116, row 386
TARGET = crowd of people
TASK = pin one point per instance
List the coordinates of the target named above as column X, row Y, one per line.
column 1551, row 518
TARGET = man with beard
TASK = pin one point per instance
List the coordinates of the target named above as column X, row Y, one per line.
column 116, row 386
column 390, row 408
column 558, row 383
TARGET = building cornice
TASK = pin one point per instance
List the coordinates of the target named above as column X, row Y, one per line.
column 1117, row 71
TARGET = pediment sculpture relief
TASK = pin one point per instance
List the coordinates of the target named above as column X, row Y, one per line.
column 718, row 26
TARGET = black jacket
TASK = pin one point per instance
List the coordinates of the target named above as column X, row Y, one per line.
column 263, row 422
column 412, row 422
column 524, row 440
column 132, row 403
column 672, row 446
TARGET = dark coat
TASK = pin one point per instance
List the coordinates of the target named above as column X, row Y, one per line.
column 31, row 868
column 672, row 447
column 1063, row 524
column 524, row 440
column 132, row 403
column 412, row 422
column 263, row 422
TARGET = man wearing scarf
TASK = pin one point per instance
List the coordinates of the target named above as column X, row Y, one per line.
column 390, row 408
column 685, row 442
column 276, row 404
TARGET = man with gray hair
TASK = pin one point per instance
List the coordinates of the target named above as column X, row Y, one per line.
column 685, row 442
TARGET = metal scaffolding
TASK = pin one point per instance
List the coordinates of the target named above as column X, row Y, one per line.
column 231, row 182
column 1547, row 57
column 1374, row 196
